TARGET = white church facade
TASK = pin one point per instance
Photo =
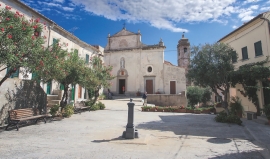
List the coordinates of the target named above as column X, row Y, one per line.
column 138, row 67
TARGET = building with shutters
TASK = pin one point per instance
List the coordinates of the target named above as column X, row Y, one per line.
column 139, row 67
column 252, row 44
column 53, row 32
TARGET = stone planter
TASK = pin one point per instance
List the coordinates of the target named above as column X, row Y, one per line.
column 205, row 111
column 159, row 110
column 189, row 111
column 181, row 110
column 152, row 109
column 197, row 111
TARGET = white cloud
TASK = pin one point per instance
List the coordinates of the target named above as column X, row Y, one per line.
column 247, row 14
column 250, row 1
column 162, row 14
column 234, row 27
column 68, row 9
column 59, row 1
column 265, row 9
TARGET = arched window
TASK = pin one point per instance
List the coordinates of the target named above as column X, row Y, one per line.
column 185, row 50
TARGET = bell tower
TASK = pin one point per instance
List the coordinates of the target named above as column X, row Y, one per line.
column 183, row 52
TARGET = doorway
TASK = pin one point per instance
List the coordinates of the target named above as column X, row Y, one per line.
column 172, row 87
column 149, row 86
column 122, row 86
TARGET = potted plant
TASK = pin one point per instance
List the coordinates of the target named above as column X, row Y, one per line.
column 236, row 107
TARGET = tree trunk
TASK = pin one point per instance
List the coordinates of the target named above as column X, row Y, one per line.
column 258, row 108
column 225, row 102
column 93, row 101
column 63, row 102
column 7, row 76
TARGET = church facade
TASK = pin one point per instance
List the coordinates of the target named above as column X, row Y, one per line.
column 138, row 67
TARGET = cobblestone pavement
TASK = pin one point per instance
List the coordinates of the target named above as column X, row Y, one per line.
column 162, row 135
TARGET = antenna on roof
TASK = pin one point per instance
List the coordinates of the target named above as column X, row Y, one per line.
column 124, row 25
column 72, row 30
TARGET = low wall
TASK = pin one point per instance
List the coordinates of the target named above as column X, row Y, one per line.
column 167, row 99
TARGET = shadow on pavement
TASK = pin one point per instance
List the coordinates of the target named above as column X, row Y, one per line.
column 240, row 155
column 114, row 139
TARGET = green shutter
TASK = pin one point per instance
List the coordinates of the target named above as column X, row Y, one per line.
column 76, row 52
column 73, row 93
column 244, row 53
column 87, row 59
column 34, row 75
column 62, row 86
column 54, row 41
column 258, row 48
column 49, row 85
column 234, row 57
column 15, row 74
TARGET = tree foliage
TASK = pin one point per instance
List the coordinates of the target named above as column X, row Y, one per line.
column 20, row 42
column 97, row 77
column 211, row 66
column 197, row 95
column 248, row 76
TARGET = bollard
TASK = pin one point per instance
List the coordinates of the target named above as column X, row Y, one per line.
column 130, row 132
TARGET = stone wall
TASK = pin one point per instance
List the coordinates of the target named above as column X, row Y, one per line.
column 167, row 99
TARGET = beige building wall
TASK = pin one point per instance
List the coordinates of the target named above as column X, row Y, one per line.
column 246, row 35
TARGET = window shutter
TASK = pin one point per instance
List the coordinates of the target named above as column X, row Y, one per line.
column 76, row 52
column 62, row 86
column 258, row 48
column 15, row 74
column 87, row 59
column 34, row 75
column 54, row 41
column 244, row 53
column 234, row 57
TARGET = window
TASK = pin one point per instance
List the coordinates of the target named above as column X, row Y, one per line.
column 234, row 57
column 87, row 59
column 76, row 52
column 258, row 48
column 244, row 53
column 185, row 50
column 54, row 41
column 149, row 69
column 15, row 74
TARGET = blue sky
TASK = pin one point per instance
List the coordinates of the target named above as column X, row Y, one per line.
column 203, row 21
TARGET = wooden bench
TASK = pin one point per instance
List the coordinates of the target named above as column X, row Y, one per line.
column 79, row 106
column 18, row 115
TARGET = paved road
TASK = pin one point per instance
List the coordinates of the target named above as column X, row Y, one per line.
column 97, row 135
